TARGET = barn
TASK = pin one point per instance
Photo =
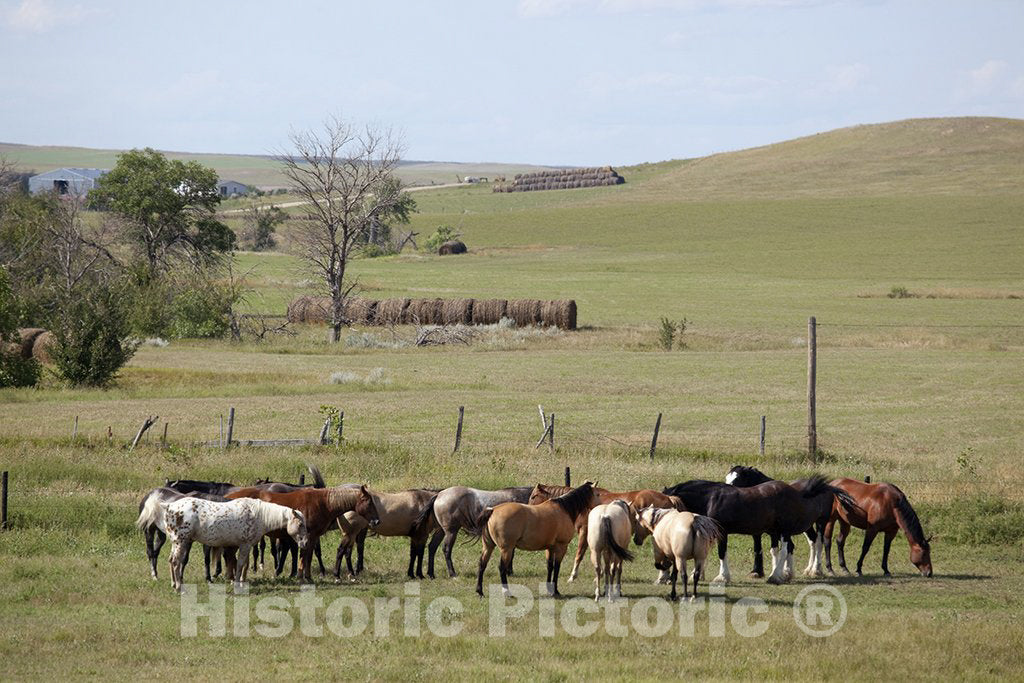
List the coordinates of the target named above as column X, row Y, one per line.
column 74, row 181
column 230, row 188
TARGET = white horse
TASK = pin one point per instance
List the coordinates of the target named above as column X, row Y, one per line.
column 608, row 531
column 239, row 523
column 678, row 537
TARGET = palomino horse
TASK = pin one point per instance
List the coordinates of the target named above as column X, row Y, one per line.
column 547, row 526
column 406, row 513
column 154, row 532
column 883, row 508
column 321, row 508
column 774, row 508
column 638, row 499
column 234, row 524
column 609, row 528
column 678, row 537
column 458, row 507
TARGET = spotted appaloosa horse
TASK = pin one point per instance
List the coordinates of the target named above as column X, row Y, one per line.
column 234, row 524
column 156, row 535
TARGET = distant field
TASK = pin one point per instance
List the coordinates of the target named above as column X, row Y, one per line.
column 925, row 391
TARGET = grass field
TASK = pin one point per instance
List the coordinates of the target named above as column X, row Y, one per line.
column 926, row 392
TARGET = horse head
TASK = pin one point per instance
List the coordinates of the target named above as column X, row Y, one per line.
column 366, row 508
column 539, row 494
column 744, row 476
column 921, row 557
column 297, row 529
column 645, row 522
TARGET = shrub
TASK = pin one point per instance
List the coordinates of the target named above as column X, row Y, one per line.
column 200, row 312
column 443, row 234
column 90, row 345
column 901, row 293
column 15, row 371
column 667, row 334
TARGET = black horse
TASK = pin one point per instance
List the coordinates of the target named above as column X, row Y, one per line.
column 773, row 507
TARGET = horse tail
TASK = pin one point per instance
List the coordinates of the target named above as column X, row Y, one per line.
column 605, row 534
column 425, row 517
column 318, row 479
column 481, row 523
column 847, row 501
column 706, row 529
column 151, row 512
column 817, row 485
column 678, row 503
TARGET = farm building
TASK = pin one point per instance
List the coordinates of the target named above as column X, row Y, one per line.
column 229, row 188
column 75, row 181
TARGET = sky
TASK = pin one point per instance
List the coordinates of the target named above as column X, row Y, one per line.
column 558, row 82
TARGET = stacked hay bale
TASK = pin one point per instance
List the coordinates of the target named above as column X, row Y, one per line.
column 309, row 309
column 42, row 346
column 489, row 311
column 561, row 179
column 457, row 312
column 28, row 339
column 391, row 311
column 524, row 312
column 424, row 312
column 561, row 314
column 359, row 311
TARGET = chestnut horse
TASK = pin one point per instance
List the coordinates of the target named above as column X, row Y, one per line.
column 884, row 508
column 638, row 499
column 321, row 509
column 547, row 526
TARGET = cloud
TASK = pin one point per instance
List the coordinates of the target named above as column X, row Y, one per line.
column 993, row 79
column 846, row 77
column 548, row 8
column 39, row 16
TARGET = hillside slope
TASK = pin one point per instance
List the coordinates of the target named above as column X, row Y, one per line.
column 975, row 156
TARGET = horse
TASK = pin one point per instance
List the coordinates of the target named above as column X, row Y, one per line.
column 609, row 527
column 639, row 499
column 217, row 488
column 883, row 508
column 678, row 536
column 774, row 508
column 234, row 524
column 547, row 526
column 458, row 507
column 321, row 509
column 152, row 526
column 406, row 513
column 744, row 476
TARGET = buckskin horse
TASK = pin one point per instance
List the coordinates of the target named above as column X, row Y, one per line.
column 774, row 508
column 548, row 526
column 883, row 508
column 678, row 537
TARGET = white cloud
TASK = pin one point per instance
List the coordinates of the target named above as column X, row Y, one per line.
column 846, row 77
column 39, row 16
column 992, row 80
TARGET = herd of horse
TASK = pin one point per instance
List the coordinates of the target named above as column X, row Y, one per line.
column 684, row 521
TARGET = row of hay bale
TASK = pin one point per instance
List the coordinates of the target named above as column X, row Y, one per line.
column 360, row 311
column 33, row 342
column 561, row 179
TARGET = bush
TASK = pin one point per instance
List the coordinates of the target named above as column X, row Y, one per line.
column 443, row 234
column 15, row 371
column 151, row 313
column 90, row 340
column 200, row 312
column 901, row 293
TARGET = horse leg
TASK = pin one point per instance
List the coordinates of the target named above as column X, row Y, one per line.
column 672, row 578
column 581, row 548
column 206, row 562
column 886, row 544
column 432, row 546
column 869, row 536
column 485, row 557
column 360, row 541
column 813, row 536
column 154, row 541
column 503, row 564
column 319, row 559
column 449, row 544
column 790, row 555
column 595, row 560
column 826, row 538
column 556, row 566
column 758, row 571
column 618, row 579
column 698, row 568
column 778, row 560
column 844, row 531
column 412, row 559
column 723, row 573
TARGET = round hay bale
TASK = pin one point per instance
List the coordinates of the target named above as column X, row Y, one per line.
column 452, row 247
column 457, row 312
column 42, row 346
column 566, row 315
column 28, row 337
column 391, row 311
column 425, row 311
column 489, row 311
column 359, row 311
column 524, row 312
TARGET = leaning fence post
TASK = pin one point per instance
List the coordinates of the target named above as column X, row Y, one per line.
column 3, row 505
column 543, row 420
column 231, row 425
column 147, row 423
column 458, row 430
column 654, row 439
column 324, row 431
column 761, row 447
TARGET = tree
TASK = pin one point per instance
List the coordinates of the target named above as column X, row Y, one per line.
column 346, row 177
column 167, row 209
column 260, row 223
column 15, row 371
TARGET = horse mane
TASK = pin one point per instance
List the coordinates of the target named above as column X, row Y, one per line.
column 269, row 514
column 910, row 522
column 577, row 500
column 342, row 497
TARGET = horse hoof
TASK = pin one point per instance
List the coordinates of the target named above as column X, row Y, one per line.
column 572, row 578
column 755, row 575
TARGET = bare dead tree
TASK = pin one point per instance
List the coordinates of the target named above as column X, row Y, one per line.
column 77, row 251
column 345, row 176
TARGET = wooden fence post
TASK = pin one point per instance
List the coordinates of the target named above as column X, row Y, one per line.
column 867, row 479
column 231, row 425
column 761, row 446
column 543, row 420
column 551, row 434
column 568, row 476
column 3, row 504
column 163, row 439
column 341, row 425
column 654, row 439
column 458, row 430
column 222, row 430
column 812, row 371
column 74, row 432
column 324, row 432
column 302, row 479
column 149, row 422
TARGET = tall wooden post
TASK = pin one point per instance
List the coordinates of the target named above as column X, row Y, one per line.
column 812, row 371
column 568, row 476
column 761, row 447
column 458, row 430
column 231, row 425
column 341, row 425
column 551, row 433
column 654, row 439
column 3, row 504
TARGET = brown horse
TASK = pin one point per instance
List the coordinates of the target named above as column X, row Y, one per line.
column 547, row 526
column 883, row 508
column 639, row 499
column 321, row 509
